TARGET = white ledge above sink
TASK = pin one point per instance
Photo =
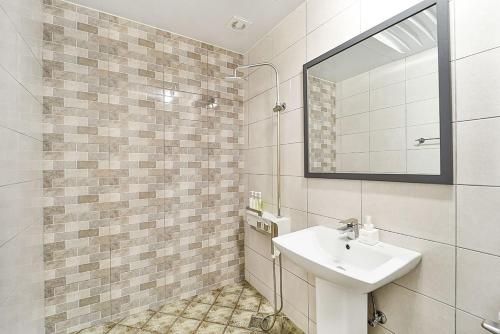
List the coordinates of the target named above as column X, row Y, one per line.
column 345, row 271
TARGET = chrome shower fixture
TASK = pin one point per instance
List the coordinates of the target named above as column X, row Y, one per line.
column 278, row 106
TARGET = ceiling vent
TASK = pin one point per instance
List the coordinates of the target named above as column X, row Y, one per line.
column 238, row 23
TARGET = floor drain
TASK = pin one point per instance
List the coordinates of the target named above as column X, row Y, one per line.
column 255, row 321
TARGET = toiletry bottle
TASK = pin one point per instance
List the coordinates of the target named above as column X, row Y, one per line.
column 251, row 200
column 260, row 204
column 368, row 234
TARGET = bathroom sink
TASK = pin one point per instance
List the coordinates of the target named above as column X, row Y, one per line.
column 325, row 253
column 345, row 272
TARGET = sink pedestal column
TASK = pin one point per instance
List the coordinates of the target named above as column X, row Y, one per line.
column 340, row 310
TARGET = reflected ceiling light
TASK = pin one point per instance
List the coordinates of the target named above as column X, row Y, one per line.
column 431, row 15
column 409, row 34
column 420, row 27
column 392, row 41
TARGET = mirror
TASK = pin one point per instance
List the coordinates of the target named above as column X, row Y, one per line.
column 379, row 106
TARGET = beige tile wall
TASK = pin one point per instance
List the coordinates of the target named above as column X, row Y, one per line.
column 21, row 232
column 142, row 180
column 455, row 227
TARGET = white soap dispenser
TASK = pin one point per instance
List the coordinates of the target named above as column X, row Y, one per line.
column 368, row 234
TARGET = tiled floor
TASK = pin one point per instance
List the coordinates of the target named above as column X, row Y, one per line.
column 222, row 311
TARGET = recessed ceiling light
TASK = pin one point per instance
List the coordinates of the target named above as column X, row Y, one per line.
column 237, row 23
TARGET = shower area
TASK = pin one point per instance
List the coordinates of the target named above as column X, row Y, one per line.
column 143, row 196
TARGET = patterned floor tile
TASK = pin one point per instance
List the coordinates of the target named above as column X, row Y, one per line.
column 184, row 326
column 249, row 303
column 137, row 320
column 266, row 307
column 210, row 328
column 241, row 318
column 219, row 314
column 229, row 300
column 235, row 288
column 160, row 322
column 236, row 330
column 119, row 329
column 222, row 311
column 175, row 307
column 207, row 297
column 196, row 311
column 100, row 329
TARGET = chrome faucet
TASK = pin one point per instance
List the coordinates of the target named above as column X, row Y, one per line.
column 350, row 229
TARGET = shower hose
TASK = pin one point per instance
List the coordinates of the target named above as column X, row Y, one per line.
column 276, row 310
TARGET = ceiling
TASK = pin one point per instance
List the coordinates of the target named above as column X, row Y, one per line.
column 204, row 20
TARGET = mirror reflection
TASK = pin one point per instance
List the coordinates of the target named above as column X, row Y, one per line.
column 374, row 107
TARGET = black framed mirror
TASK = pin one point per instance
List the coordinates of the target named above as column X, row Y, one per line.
column 378, row 107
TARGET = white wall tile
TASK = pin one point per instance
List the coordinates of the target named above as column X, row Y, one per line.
column 388, row 162
column 353, row 162
column 478, row 291
column 259, row 160
column 422, row 88
column 353, row 124
column 339, row 199
column 320, row 11
column 359, row 142
column 388, row 140
column 260, row 80
column 410, row 312
column 20, row 207
column 294, row 192
column 388, row 96
column 389, row 74
column 354, row 104
column 290, row 30
column 423, row 161
column 422, row 63
column 476, row 26
column 262, row 133
column 468, row 324
column 375, row 12
column 435, row 274
column 353, row 86
column 476, row 140
column 291, row 93
column 478, row 217
column 477, row 86
column 290, row 62
column 22, row 282
column 262, row 51
column 422, row 112
column 334, row 32
column 420, row 210
column 292, row 126
column 387, row 118
column 263, row 184
column 261, row 106
column 292, row 157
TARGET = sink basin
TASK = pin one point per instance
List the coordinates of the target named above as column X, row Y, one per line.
column 345, row 271
column 322, row 251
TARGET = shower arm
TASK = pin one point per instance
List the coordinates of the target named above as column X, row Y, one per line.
column 277, row 109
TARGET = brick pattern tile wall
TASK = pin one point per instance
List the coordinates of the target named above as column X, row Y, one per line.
column 142, row 141
column 322, row 125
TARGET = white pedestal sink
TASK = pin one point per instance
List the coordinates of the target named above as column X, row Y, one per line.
column 344, row 274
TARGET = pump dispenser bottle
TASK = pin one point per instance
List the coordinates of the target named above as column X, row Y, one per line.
column 368, row 234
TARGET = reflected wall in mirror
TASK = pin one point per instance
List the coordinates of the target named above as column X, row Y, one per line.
column 378, row 106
